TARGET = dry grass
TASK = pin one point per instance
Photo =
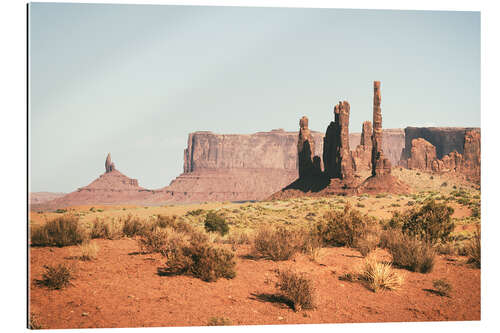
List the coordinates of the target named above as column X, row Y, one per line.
column 88, row 250
column 474, row 249
column 442, row 287
column 55, row 277
column 60, row 231
column 380, row 275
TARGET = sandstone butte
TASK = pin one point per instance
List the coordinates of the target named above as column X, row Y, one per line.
column 242, row 167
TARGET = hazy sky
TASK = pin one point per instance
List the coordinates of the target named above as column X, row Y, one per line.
column 135, row 80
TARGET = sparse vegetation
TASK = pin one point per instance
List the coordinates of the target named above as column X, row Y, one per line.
column 296, row 288
column 61, row 231
column 33, row 322
column 277, row 244
column 474, row 249
column 409, row 252
column 133, row 226
column 108, row 229
column 88, row 250
column 55, row 277
column 154, row 240
column 219, row 321
column 442, row 287
column 380, row 275
column 216, row 223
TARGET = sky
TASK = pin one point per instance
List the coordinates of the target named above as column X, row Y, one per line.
column 135, row 80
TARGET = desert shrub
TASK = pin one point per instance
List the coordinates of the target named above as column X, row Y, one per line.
column 199, row 259
column 367, row 244
column 432, row 222
column 216, row 223
column 360, row 205
column 60, row 211
column 219, row 321
column 431, row 177
column 277, row 244
column 312, row 245
column 297, row 289
column 476, row 211
column 442, row 287
column 409, row 252
column 238, row 238
column 133, row 226
column 444, row 184
column 88, row 250
column 164, row 221
column 474, row 249
column 33, row 322
column 55, row 277
column 380, row 275
column 61, row 231
column 195, row 212
column 344, row 228
column 154, row 240
column 110, row 229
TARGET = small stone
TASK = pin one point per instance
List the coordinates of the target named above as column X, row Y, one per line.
column 85, row 314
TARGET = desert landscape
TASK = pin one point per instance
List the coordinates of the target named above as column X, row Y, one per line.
column 270, row 228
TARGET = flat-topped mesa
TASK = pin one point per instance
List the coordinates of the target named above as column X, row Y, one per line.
column 305, row 149
column 380, row 164
column 110, row 166
column 337, row 157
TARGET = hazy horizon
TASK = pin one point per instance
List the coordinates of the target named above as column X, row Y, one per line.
column 135, row 80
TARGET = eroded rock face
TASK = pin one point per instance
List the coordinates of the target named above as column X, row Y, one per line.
column 362, row 154
column 422, row 155
column 337, row 158
column 305, row 149
column 109, row 166
column 380, row 164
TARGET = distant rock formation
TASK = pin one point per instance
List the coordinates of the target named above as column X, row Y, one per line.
column 41, row 197
column 110, row 166
column 337, row 157
column 380, row 164
column 423, row 157
column 361, row 156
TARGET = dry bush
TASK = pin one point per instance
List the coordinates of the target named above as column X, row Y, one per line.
column 408, row 252
column 88, row 250
column 380, row 275
column 312, row 245
column 296, row 288
column 277, row 244
column 238, row 238
column 367, row 244
column 133, row 226
column 55, row 277
column 345, row 228
column 154, row 240
column 216, row 223
column 61, row 231
column 442, row 287
column 219, row 321
column 33, row 322
column 109, row 229
column 474, row 249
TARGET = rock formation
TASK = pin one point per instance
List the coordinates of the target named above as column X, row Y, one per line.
column 380, row 164
column 110, row 166
column 337, row 157
column 361, row 156
column 422, row 156
column 305, row 149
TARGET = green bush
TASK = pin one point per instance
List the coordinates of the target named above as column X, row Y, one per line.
column 277, row 244
column 345, row 228
column 432, row 222
column 55, row 277
column 61, row 231
column 216, row 223
column 408, row 252
column 297, row 289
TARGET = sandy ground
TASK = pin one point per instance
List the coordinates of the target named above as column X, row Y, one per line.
column 121, row 288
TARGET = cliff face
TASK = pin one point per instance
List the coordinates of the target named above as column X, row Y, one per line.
column 445, row 139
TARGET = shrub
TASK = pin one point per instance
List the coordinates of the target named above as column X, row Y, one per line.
column 219, row 321
column 409, row 252
column 380, row 275
column 88, row 250
column 367, row 244
column 60, row 211
column 133, row 226
column 296, row 288
column 444, row 184
column 33, row 322
column 216, row 223
column 312, row 245
column 442, row 287
column 164, row 221
column 238, row 238
column 195, row 212
column 61, row 231
column 277, row 244
column 344, row 228
column 55, row 277
column 199, row 259
column 153, row 241
column 474, row 249
column 111, row 229
column 432, row 222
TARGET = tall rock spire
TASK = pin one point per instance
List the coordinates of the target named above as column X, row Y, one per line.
column 305, row 148
column 380, row 164
column 110, row 166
